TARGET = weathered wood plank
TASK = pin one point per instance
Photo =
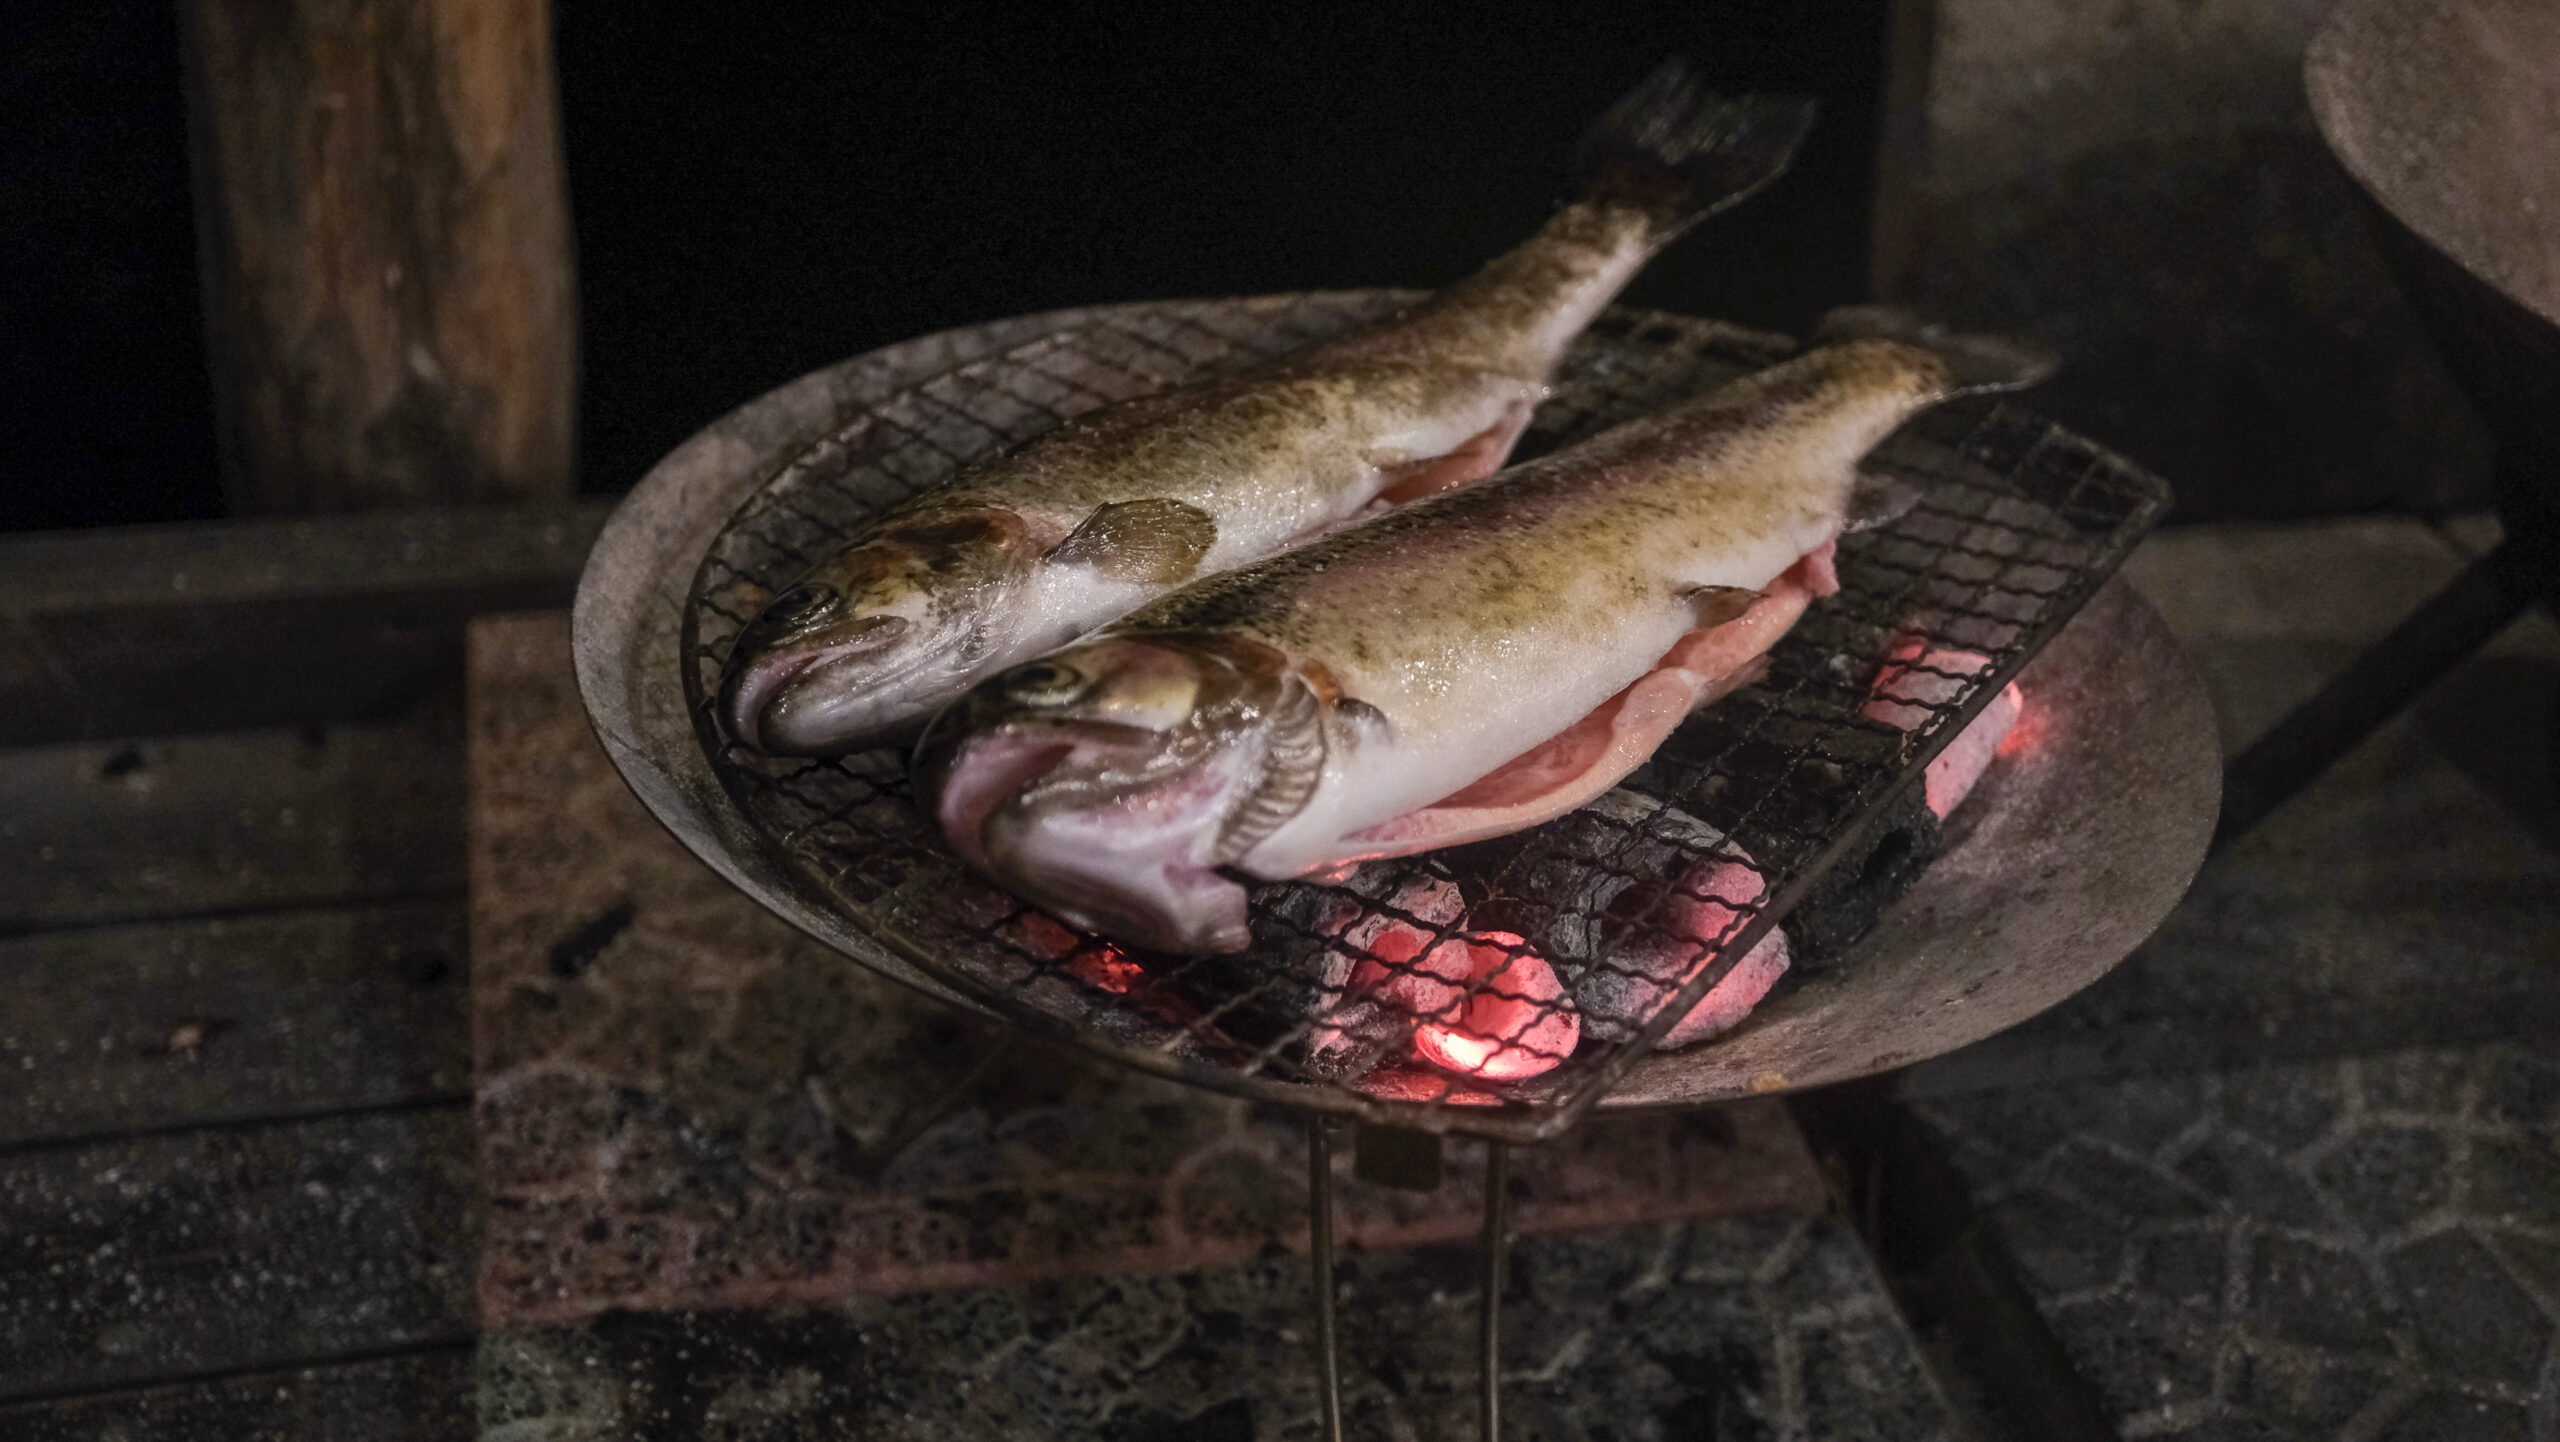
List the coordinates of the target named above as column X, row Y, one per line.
column 155, row 1027
column 312, row 558
column 165, row 629
column 423, row 1398
column 233, row 1249
column 102, row 832
column 386, row 250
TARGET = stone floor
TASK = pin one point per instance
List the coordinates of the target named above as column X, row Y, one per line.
column 2362, row 1247
column 2293, row 1170
column 1767, row 1327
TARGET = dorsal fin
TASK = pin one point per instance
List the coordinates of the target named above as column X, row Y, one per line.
column 1980, row 362
column 1879, row 499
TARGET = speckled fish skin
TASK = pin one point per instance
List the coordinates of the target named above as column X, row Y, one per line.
column 1415, row 654
column 1021, row 553
column 1537, row 596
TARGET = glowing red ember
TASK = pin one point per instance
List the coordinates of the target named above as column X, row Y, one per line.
column 1107, row 968
column 1704, row 911
column 1955, row 770
column 1043, row 935
column 1486, row 1004
column 1698, row 914
column 1916, row 677
column 1096, row 963
column 1509, row 1018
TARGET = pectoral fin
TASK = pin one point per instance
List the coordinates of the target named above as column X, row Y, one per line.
column 1715, row 605
column 1878, row 500
column 1156, row 540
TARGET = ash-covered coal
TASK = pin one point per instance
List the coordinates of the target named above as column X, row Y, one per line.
column 1629, row 898
column 1854, row 894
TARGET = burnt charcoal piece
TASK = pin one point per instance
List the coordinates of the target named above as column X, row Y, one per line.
column 1852, row 896
column 1627, row 898
column 1783, row 777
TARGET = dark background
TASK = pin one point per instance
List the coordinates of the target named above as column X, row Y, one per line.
column 761, row 190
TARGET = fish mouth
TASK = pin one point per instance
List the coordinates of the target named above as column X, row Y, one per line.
column 1137, row 893
column 822, row 696
column 1133, row 870
column 963, row 783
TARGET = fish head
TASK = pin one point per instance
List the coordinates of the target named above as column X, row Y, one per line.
column 861, row 649
column 1109, row 781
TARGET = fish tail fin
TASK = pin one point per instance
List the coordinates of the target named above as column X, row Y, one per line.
column 1680, row 152
column 1978, row 361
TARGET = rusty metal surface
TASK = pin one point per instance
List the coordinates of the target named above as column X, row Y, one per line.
column 2072, row 850
column 2023, row 522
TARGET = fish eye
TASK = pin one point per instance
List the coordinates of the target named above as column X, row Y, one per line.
column 798, row 606
column 1043, row 683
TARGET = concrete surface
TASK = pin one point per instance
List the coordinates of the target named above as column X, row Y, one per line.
column 1744, row 1328
column 2293, row 1170
column 2139, row 182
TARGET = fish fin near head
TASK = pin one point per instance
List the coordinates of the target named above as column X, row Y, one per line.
column 1155, row 540
column 1363, row 721
column 1354, row 717
column 1715, row 605
column 1681, row 152
column 1878, row 499
column 1977, row 362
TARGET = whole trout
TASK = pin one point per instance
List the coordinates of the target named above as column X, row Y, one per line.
column 1464, row 667
column 1027, row 550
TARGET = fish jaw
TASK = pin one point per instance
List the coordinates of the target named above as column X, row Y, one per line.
column 811, row 699
column 1131, row 861
column 1137, row 868
column 1110, row 782
column 863, row 649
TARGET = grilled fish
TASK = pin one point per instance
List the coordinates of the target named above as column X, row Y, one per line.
column 1023, row 552
column 1461, row 668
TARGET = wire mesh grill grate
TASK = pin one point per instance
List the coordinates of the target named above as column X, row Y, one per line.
column 1498, row 988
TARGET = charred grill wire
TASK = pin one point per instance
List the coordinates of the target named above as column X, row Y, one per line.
column 1393, row 994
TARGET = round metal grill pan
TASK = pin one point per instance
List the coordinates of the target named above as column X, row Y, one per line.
column 1628, row 904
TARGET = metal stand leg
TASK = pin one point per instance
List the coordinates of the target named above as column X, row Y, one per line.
column 1497, row 1209
column 1320, row 1226
column 2390, row 674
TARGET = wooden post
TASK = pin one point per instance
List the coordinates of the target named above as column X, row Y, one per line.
column 385, row 242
